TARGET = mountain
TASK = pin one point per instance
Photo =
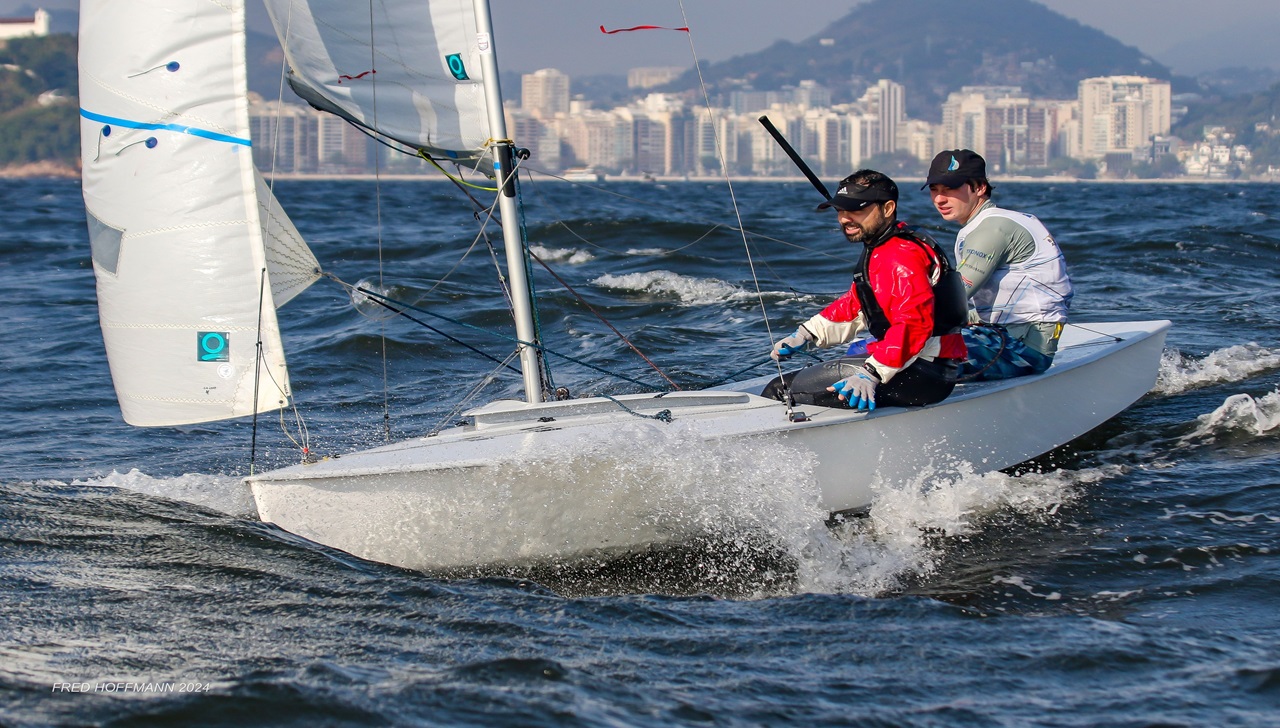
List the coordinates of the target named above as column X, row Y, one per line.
column 934, row 48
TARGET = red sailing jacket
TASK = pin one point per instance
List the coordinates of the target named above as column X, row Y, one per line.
column 899, row 274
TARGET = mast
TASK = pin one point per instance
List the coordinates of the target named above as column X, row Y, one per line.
column 521, row 294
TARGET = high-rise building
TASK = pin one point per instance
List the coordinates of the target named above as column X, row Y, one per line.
column 964, row 116
column 654, row 76
column 285, row 137
column 340, row 147
column 544, row 93
column 538, row 136
column 886, row 101
column 1119, row 114
column 1020, row 133
column 811, row 95
column 596, row 139
column 864, row 138
column 829, row 143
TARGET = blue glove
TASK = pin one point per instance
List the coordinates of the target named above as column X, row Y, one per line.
column 859, row 390
column 792, row 344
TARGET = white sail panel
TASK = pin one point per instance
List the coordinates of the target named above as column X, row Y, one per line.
column 170, row 191
column 409, row 69
column 291, row 266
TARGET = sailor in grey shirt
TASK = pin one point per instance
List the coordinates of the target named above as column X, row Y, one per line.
column 1013, row 271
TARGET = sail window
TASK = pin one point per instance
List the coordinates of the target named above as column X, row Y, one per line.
column 104, row 241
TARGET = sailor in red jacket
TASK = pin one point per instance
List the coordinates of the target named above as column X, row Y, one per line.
column 905, row 293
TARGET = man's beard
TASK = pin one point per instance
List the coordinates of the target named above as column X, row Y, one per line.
column 867, row 236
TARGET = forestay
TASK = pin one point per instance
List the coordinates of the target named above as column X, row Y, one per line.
column 178, row 214
column 408, row 69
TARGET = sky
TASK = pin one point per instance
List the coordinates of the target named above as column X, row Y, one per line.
column 1191, row 36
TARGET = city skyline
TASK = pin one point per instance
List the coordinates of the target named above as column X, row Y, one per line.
column 1118, row 125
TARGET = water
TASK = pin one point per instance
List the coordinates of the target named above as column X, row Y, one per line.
column 1128, row 578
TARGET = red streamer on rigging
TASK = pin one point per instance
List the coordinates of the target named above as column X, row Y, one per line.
column 353, row 78
column 639, row 27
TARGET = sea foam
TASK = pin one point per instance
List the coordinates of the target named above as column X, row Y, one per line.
column 571, row 256
column 225, row 493
column 688, row 290
column 1180, row 373
column 1238, row 413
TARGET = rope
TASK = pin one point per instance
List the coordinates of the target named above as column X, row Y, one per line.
column 422, row 153
column 661, row 416
column 1113, row 337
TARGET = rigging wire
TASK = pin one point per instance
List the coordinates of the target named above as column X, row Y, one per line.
column 257, row 372
column 475, row 391
column 583, row 301
column 299, row 421
column 724, row 168
column 377, row 197
column 370, row 296
column 490, row 332
column 646, row 203
column 544, row 367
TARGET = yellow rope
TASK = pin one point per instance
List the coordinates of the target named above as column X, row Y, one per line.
column 423, row 154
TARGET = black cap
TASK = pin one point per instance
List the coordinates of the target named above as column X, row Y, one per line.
column 954, row 167
column 853, row 196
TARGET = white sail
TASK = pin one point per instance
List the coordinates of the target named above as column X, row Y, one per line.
column 176, row 222
column 409, row 69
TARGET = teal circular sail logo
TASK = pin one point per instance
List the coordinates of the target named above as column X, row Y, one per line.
column 458, row 70
column 213, row 346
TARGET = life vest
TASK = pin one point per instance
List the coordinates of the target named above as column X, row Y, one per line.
column 1036, row 290
column 950, row 304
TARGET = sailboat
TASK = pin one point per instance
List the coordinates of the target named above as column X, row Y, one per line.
column 194, row 256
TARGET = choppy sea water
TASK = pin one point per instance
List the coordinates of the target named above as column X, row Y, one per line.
column 1128, row 578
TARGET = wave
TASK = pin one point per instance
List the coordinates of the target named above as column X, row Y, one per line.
column 1180, row 373
column 1239, row 413
column 571, row 256
column 689, row 290
column 763, row 530
column 224, row 493
column 909, row 530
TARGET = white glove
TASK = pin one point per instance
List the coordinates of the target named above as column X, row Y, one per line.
column 798, row 341
column 859, row 390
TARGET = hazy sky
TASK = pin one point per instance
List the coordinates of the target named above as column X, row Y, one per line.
column 1189, row 35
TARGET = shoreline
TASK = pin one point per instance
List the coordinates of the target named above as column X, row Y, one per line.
column 58, row 170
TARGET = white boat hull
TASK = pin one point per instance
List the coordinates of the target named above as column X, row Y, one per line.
column 595, row 478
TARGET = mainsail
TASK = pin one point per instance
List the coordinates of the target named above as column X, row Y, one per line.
column 408, row 69
column 191, row 251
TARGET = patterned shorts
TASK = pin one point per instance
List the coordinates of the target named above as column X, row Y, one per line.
column 993, row 355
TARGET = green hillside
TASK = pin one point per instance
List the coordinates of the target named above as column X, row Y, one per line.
column 39, row 118
column 1253, row 118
